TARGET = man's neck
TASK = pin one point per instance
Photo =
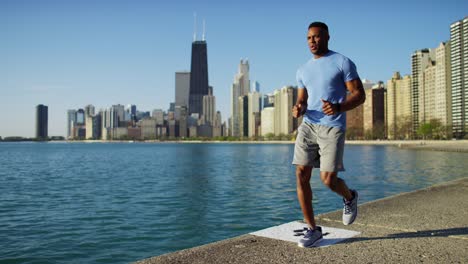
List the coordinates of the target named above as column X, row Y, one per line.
column 318, row 56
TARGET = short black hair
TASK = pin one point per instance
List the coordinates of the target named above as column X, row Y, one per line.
column 319, row 25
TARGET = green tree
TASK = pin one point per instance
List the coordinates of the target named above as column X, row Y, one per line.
column 379, row 131
column 425, row 130
column 269, row 136
column 404, row 127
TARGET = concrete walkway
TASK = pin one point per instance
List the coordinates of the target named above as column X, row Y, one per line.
column 428, row 226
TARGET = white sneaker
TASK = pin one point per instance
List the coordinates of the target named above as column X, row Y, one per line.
column 350, row 209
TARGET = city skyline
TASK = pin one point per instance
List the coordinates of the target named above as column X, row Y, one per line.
column 68, row 55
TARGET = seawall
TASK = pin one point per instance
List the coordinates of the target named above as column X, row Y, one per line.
column 428, row 226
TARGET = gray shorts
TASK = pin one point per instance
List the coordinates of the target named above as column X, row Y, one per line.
column 319, row 146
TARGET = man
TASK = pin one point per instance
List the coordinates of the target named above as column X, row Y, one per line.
column 328, row 86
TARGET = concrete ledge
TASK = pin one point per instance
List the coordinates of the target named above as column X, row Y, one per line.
column 429, row 226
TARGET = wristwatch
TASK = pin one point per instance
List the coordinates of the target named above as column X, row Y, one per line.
column 338, row 107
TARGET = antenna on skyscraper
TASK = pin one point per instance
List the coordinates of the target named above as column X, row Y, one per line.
column 203, row 35
column 195, row 26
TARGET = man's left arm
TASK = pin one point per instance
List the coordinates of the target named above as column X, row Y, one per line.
column 355, row 97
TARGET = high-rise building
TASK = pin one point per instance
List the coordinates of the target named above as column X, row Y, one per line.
column 148, row 129
column 268, row 121
column 255, row 86
column 158, row 115
column 285, row 99
column 80, row 117
column 110, row 119
column 217, row 125
column 374, row 113
column 93, row 126
column 268, row 100
column 459, row 76
column 355, row 122
column 209, row 108
column 130, row 113
column 243, row 106
column 89, row 110
column 240, row 87
column 182, row 88
column 420, row 60
column 399, row 110
column 71, row 120
column 198, row 77
column 183, row 122
column 118, row 116
column 42, row 121
column 443, row 92
column 255, row 102
column 427, row 93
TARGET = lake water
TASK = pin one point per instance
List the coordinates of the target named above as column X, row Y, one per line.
column 121, row 202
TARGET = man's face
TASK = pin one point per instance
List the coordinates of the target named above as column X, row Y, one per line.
column 317, row 39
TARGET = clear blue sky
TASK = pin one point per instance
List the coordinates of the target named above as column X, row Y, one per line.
column 67, row 54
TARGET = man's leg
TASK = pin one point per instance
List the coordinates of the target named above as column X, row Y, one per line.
column 304, row 193
column 331, row 180
column 350, row 209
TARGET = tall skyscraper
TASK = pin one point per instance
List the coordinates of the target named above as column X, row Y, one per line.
column 268, row 121
column 355, row 122
column 131, row 113
column 198, row 76
column 374, row 113
column 209, row 108
column 182, row 88
column 255, row 102
column 419, row 62
column 158, row 115
column 93, row 126
column 42, row 120
column 243, row 117
column 435, row 91
column 399, row 111
column 71, row 121
column 118, row 115
column 459, row 74
column 89, row 110
column 80, row 117
column 284, row 122
column 443, row 91
column 255, row 86
column 240, row 87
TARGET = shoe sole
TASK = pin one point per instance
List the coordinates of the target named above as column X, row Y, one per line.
column 313, row 245
column 352, row 221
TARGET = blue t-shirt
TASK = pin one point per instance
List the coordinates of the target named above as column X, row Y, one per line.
column 324, row 78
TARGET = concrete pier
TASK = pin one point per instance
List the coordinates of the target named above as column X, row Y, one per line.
column 428, row 226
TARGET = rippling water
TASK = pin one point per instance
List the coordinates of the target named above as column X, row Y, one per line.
column 118, row 203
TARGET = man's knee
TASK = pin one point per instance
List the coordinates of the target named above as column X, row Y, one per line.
column 329, row 179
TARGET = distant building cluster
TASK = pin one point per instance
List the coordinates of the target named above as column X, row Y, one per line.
column 435, row 95
column 193, row 114
column 120, row 122
column 253, row 114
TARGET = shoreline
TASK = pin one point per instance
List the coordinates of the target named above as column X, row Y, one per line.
column 434, row 145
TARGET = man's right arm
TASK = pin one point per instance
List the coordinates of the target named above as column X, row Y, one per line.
column 301, row 104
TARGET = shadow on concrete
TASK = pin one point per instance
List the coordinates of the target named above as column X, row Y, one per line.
column 457, row 231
